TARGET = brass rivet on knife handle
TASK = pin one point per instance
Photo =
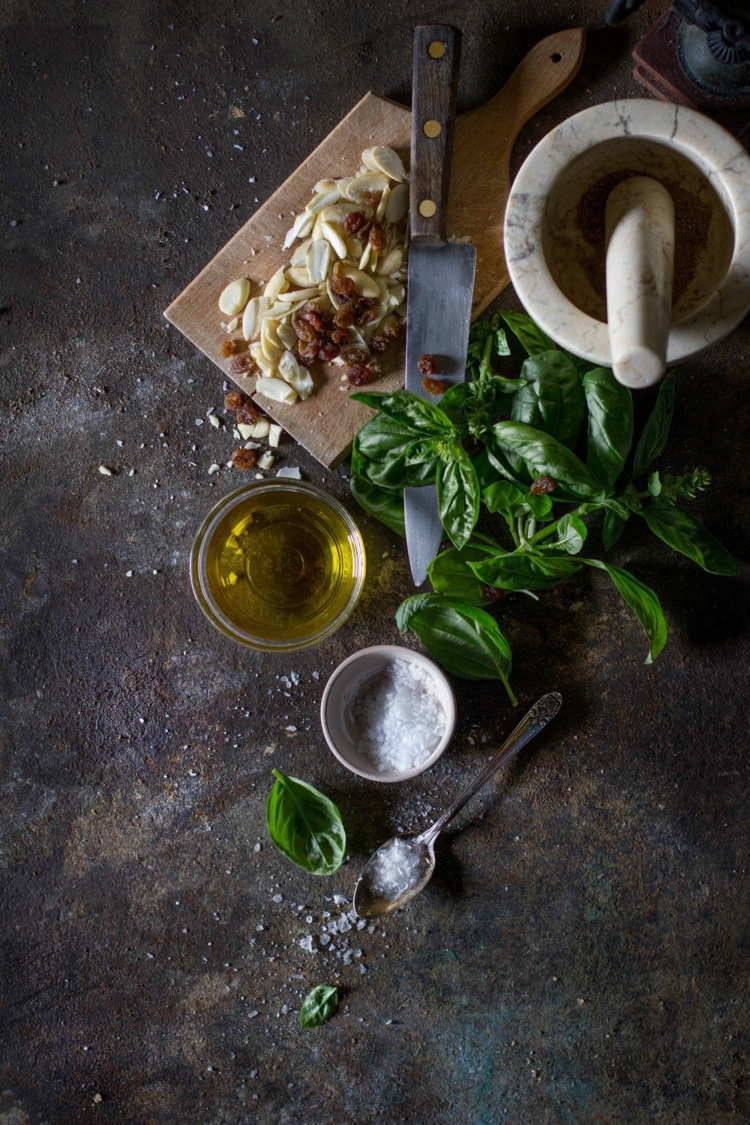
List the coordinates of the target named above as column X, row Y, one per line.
column 435, row 80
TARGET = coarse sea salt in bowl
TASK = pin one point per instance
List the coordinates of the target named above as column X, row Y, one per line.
column 388, row 713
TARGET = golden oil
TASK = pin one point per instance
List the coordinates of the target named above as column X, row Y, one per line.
column 281, row 567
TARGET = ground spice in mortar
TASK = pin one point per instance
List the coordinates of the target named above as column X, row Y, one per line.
column 692, row 219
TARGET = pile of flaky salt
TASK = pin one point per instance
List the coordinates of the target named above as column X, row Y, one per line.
column 395, row 869
column 400, row 717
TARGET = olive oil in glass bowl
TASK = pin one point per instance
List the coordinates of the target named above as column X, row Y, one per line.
column 278, row 567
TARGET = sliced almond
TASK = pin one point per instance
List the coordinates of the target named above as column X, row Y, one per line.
column 354, row 247
column 323, row 199
column 300, row 228
column 288, row 336
column 318, row 260
column 298, row 275
column 383, row 204
column 338, row 243
column 384, row 159
column 268, row 368
column 234, row 297
column 363, row 185
column 266, row 461
column 324, row 185
column 276, row 389
column 233, row 324
column 365, row 285
column 269, row 340
column 300, row 295
column 278, row 284
column 365, row 256
column 290, row 473
column 298, row 257
column 396, row 294
column 390, row 263
column 297, row 376
column 261, row 428
column 274, row 435
column 251, row 317
column 398, row 203
column 245, row 430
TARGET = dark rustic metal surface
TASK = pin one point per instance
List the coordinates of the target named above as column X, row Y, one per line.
column 582, row 954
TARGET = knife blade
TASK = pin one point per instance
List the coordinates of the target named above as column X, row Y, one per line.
column 441, row 274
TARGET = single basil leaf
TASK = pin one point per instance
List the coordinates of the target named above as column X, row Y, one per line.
column 614, row 525
column 486, row 472
column 455, row 398
column 531, row 336
column 501, row 342
column 504, row 496
column 458, row 496
column 517, row 570
column 571, row 533
column 610, row 424
column 409, row 409
column 684, row 533
column 539, row 506
column 553, row 398
column 450, row 573
column 384, row 504
column 410, row 607
column 389, row 454
column 466, row 640
column 656, row 430
column 543, row 455
column 318, row 1006
column 305, row 826
column 643, row 602
column 506, row 461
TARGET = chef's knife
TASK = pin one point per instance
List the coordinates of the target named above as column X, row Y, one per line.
column 441, row 275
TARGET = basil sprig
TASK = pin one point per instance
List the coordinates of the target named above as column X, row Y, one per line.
column 548, row 451
column 305, row 825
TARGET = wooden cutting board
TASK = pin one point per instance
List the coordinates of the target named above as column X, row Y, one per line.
column 326, row 423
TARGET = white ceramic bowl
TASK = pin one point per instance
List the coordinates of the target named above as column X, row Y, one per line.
column 339, row 727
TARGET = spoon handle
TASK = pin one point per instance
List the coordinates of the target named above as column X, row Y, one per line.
column 531, row 724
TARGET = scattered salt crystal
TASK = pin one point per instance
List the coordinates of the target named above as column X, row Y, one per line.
column 343, row 924
column 251, row 1016
column 400, row 717
column 278, row 898
column 306, row 943
column 395, row 869
column 324, row 939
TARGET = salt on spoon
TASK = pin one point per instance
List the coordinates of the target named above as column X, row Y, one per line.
column 403, row 866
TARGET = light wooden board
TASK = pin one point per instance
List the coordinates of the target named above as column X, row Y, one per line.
column 326, row 423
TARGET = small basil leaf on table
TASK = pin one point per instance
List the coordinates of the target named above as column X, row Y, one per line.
column 466, row 640
column 610, row 425
column 613, row 527
column 656, row 431
column 386, row 505
column 516, row 570
column 318, row 1006
column 450, row 573
column 552, row 400
column 410, row 410
column 686, row 534
column 643, row 602
column 531, row 337
column 458, row 495
column 542, row 455
column 571, row 533
column 305, row 825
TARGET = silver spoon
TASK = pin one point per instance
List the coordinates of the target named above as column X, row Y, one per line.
column 416, row 854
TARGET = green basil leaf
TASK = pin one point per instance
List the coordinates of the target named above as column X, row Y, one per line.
column 643, row 602
column 511, row 501
column 543, row 455
column 530, row 335
column 466, row 640
column 539, row 507
column 458, row 496
column 450, row 573
column 305, row 826
column 686, row 534
column 386, row 505
column 571, row 533
column 456, row 397
column 553, row 398
column 501, row 342
column 318, row 1006
column 613, row 527
column 486, row 472
column 654, row 484
column 610, row 424
column 424, row 418
column 656, row 430
column 517, row 570
column 389, row 454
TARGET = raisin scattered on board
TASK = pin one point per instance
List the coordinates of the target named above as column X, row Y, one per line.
column 240, row 364
column 356, row 356
column 359, row 375
column 229, row 347
column 353, row 222
column 427, row 365
column 244, row 458
column 328, row 350
column 378, row 239
column 342, row 286
column 543, row 485
column 434, row 386
column 233, row 400
column 380, row 344
column 247, row 413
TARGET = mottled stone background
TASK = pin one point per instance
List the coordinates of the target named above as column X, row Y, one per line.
column 582, row 955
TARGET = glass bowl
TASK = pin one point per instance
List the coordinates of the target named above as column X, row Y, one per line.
column 278, row 566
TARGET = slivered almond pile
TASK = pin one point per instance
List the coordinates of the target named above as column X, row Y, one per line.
column 342, row 297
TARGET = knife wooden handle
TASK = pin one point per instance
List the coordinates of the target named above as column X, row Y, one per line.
column 437, row 50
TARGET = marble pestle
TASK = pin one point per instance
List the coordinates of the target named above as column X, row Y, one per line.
column 640, row 265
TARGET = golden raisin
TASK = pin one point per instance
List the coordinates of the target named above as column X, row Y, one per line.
column 342, row 286
column 372, row 199
column 359, row 375
column 229, row 347
column 240, row 364
column 233, row 400
column 427, row 365
column 379, row 344
column 356, row 355
column 434, row 386
column 247, row 413
column 378, row 239
column 328, row 350
column 353, row 222
column 543, row 485
column 244, row 458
